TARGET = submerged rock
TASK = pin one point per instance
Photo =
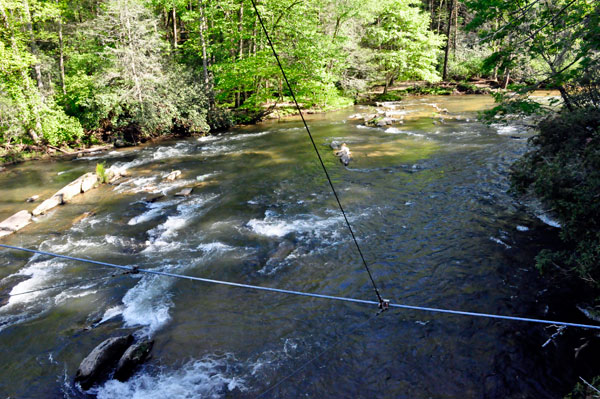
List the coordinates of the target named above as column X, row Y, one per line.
column 33, row 198
column 97, row 365
column 173, row 175
column 14, row 223
column 54, row 201
column 285, row 248
column 184, row 192
column 134, row 356
column 344, row 154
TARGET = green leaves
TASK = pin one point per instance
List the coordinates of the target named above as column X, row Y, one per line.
column 403, row 45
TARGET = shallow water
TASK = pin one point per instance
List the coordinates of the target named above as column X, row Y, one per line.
column 427, row 200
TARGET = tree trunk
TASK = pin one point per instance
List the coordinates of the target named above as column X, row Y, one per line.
column 448, row 30
column 455, row 10
column 36, row 67
column 506, row 78
column 203, row 43
column 61, row 61
column 241, row 30
column 385, row 88
column 439, row 23
column 174, row 27
column 566, row 98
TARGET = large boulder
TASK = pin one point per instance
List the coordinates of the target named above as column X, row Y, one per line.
column 71, row 190
column 88, row 181
column 96, row 366
column 135, row 355
column 14, row 223
column 55, row 200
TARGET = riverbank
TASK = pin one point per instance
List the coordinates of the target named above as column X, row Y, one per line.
column 282, row 110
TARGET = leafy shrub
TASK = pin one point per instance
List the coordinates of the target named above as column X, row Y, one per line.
column 563, row 170
column 102, row 173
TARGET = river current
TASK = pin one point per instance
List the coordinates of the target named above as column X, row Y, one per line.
column 428, row 203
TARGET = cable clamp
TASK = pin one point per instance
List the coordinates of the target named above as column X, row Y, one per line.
column 384, row 304
column 134, row 270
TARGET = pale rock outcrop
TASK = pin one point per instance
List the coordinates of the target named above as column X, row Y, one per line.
column 88, row 181
column 14, row 223
column 173, row 175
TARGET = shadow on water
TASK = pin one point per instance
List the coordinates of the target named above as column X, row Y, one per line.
column 428, row 203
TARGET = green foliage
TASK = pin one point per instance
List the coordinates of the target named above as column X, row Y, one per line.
column 59, row 128
column 429, row 89
column 406, row 48
column 389, row 96
column 512, row 106
column 102, row 173
column 563, row 170
column 584, row 391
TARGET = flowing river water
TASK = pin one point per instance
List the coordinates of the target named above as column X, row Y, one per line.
column 428, row 203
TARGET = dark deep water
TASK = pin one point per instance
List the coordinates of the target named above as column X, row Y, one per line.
column 427, row 201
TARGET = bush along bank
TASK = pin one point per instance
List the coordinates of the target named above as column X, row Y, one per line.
column 562, row 169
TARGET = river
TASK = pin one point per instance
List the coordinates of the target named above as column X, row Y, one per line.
column 427, row 200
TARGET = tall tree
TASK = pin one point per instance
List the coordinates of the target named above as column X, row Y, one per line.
column 403, row 45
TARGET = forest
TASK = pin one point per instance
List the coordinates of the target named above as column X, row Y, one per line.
column 80, row 72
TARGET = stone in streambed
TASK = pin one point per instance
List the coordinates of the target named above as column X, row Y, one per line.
column 185, row 192
column 80, row 185
column 14, row 223
column 88, row 181
column 96, row 366
column 33, row 198
column 285, row 248
column 71, row 190
column 55, row 200
column 173, row 175
column 344, row 154
column 134, row 356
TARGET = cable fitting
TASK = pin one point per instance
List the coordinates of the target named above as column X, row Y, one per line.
column 384, row 304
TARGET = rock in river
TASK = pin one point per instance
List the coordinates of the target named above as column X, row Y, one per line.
column 14, row 223
column 135, row 355
column 97, row 365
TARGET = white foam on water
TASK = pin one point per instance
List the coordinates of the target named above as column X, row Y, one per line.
column 207, row 139
column 147, row 304
column 177, row 151
column 155, row 209
column 393, row 130
column 40, row 274
column 273, row 226
column 216, row 149
column 499, row 241
column 210, row 377
column 215, row 247
column 548, row 220
column 238, row 137
column 366, row 127
column 74, row 293
column 507, row 130
column 206, row 176
column 162, row 237
column 136, row 185
column 522, row 228
column 64, row 244
column 111, row 313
